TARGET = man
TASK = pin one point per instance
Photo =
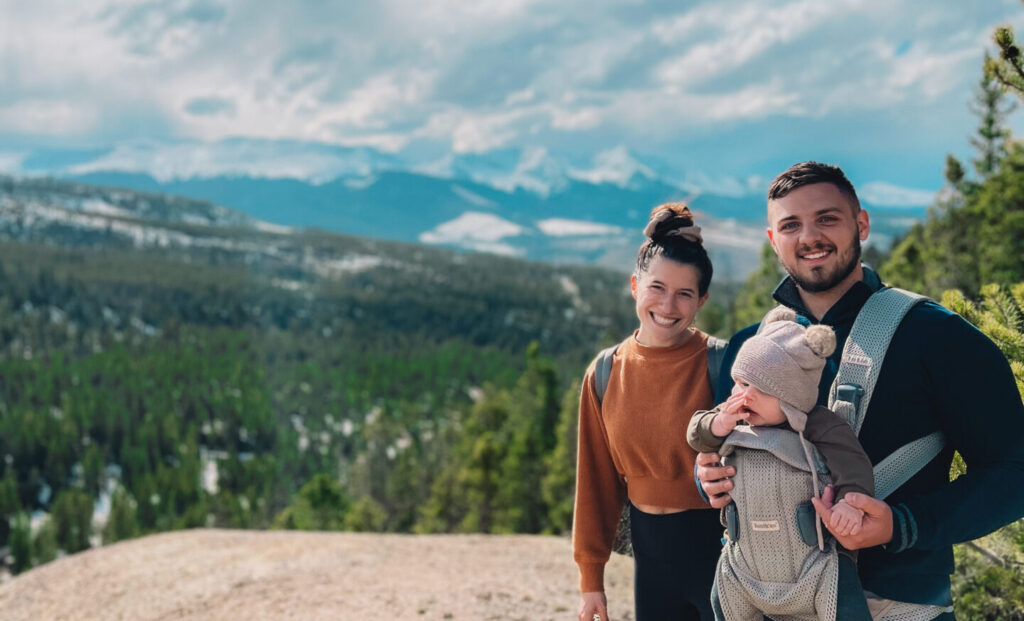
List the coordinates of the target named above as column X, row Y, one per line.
column 940, row 373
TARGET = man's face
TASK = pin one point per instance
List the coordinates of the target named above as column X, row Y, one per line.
column 817, row 237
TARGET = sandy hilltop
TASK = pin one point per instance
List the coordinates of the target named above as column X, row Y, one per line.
column 250, row 575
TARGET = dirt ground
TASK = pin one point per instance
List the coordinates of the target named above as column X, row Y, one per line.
column 251, row 576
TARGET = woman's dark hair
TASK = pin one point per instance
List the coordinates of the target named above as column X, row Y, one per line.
column 666, row 241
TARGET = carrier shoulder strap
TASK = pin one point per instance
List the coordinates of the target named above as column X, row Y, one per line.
column 859, row 368
column 603, row 365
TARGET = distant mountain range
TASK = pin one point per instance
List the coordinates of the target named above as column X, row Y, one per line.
column 526, row 203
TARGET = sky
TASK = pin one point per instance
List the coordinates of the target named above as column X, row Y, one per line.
column 718, row 89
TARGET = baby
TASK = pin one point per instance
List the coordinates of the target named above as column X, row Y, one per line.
column 776, row 375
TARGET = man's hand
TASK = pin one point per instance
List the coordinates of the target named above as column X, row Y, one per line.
column 731, row 413
column 593, row 603
column 715, row 479
column 875, row 528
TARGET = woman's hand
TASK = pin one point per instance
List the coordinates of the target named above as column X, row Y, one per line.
column 593, row 605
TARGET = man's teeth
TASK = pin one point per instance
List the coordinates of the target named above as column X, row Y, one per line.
column 816, row 255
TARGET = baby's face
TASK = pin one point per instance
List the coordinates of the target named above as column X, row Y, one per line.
column 763, row 409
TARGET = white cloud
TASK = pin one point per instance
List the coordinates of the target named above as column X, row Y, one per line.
column 747, row 32
column 562, row 227
column 890, row 195
column 473, row 77
column 47, row 118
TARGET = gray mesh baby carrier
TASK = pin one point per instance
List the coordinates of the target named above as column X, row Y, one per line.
column 776, row 561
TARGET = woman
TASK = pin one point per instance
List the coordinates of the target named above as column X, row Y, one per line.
column 632, row 443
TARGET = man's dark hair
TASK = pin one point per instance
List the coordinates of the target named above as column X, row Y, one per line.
column 807, row 173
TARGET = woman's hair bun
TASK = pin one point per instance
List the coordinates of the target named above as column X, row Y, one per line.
column 821, row 340
column 672, row 219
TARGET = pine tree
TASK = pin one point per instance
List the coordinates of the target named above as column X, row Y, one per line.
column 1007, row 69
column 72, row 518
column 366, row 515
column 321, row 504
column 122, row 521
column 44, row 544
column 559, row 483
column 529, row 435
column 755, row 298
column 20, row 543
column 991, row 108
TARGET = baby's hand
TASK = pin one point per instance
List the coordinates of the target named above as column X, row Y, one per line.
column 731, row 413
column 846, row 519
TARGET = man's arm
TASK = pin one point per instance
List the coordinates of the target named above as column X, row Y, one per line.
column 974, row 399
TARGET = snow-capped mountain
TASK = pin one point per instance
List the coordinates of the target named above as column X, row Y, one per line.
column 529, row 203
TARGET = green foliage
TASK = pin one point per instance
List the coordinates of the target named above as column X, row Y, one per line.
column 366, row 515
column 1000, row 315
column 44, row 544
column 1007, row 69
column 974, row 234
column 983, row 590
column 755, row 298
column 122, row 521
column 72, row 518
column 558, row 485
column 20, row 543
column 321, row 504
column 990, row 141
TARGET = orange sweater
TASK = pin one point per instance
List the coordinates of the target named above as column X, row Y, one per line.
column 634, row 443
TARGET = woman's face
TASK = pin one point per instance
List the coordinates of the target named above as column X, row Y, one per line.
column 667, row 300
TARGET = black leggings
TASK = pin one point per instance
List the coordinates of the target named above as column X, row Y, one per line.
column 675, row 557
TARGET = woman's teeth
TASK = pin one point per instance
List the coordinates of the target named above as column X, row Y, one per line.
column 663, row 321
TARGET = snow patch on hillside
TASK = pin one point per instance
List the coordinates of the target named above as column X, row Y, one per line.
column 477, row 231
column 473, row 197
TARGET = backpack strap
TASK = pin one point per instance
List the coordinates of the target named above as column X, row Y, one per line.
column 603, row 371
column 859, row 368
column 603, row 365
column 716, row 353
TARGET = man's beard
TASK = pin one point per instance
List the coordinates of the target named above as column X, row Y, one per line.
column 828, row 280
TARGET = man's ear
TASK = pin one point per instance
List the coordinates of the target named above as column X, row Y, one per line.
column 632, row 285
column 771, row 239
column 863, row 224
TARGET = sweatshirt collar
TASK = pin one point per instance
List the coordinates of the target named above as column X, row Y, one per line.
column 845, row 310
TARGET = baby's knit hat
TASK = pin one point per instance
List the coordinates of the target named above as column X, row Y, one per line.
column 785, row 360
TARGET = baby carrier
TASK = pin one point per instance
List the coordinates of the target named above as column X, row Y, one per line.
column 776, row 560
